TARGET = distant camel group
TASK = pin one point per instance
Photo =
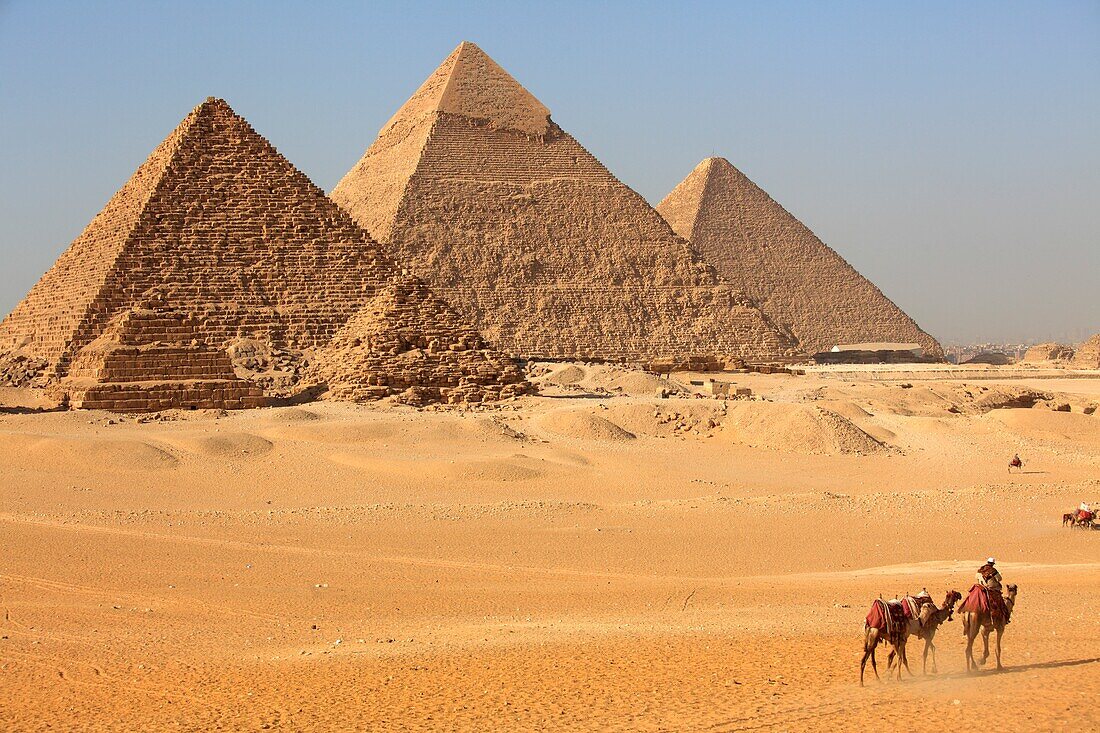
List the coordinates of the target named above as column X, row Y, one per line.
column 894, row 622
column 1079, row 518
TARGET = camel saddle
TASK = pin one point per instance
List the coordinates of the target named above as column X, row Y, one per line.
column 888, row 616
column 982, row 600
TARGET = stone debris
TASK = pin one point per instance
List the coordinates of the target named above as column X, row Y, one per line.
column 795, row 278
column 223, row 229
column 21, row 370
column 530, row 237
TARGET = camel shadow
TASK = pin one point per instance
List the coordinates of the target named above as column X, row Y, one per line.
column 1014, row 669
column 1031, row 472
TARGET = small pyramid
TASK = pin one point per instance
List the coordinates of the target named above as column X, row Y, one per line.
column 221, row 227
column 445, row 361
column 1049, row 351
column 797, row 280
column 526, row 234
column 1087, row 355
column 150, row 359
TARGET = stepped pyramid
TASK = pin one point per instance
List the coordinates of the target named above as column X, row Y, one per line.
column 148, row 359
column 223, row 228
column 524, row 232
column 796, row 279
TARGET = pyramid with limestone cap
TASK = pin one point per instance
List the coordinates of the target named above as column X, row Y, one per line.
column 795, row 278
column 221, row 227
column 524, row 232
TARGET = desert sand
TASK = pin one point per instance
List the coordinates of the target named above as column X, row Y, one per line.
column 593, row 558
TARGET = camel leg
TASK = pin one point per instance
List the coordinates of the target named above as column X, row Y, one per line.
column 900, row 647
column 1000, row 630
column 890, row 660
column 927, row 648
column 870, row 641
column 935, row 667
column 905, row 659
column 971, row 633
column 985, row 644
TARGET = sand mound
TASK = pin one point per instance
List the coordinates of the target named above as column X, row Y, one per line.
column 224, row 445
column 55, row 453
column 291, row 415
column 676, row 417
column 862, row 419
column 568, row 374
column 494, row 470
column 1048, row 425
column 333, row 432
column 582, row 425
column 791, row 428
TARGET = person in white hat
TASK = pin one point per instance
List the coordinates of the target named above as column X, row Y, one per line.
column 990, row 579
column 988, row 576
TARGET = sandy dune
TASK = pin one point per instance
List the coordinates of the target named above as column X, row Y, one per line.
column 593, row 559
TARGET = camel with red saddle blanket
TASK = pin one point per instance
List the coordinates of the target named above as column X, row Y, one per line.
column 985, row 611
column 893, row 622
column 925, row 625
column 1083, row 517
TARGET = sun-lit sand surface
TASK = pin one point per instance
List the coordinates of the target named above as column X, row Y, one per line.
column 591, row 559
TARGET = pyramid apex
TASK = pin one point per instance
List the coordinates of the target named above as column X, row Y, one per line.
column 715, row 162
column 470, row 84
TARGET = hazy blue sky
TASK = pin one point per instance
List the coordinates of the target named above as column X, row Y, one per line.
column 950, row 151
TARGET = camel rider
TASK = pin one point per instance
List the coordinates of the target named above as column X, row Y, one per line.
column 990, row 579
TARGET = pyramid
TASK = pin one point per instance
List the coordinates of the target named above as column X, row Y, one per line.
column 442, row 361
column 149, row 359
column 797, row 280
column 1049, row 351
column 221, row 227
column 1087, row 355
column 524, row 232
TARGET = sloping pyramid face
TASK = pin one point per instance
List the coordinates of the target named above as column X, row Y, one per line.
column 222, row 227
column 524, row 232
column 796, row 279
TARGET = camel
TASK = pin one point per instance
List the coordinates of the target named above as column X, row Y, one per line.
column 926, row 625
column 1079, row 518
column 975, row 621
column 882, row 631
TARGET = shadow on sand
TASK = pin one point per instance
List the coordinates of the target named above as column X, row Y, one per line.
column 1012, row 669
